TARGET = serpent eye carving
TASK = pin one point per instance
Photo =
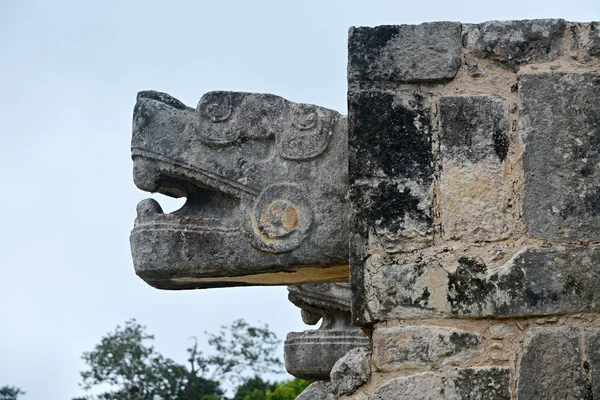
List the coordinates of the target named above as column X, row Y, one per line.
column 217, row 109
column 280, row 219
column 309, row 133
column 305, row 117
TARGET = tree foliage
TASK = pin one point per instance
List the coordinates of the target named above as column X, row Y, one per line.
column 243, row 351
column 125, row 362
column 10, row 393
column 257, row 389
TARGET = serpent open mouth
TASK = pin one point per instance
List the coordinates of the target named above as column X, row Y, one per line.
column 255, row 174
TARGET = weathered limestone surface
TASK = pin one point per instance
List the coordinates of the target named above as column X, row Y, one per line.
column 312, row 354
column 475, row 205
column 551, row 366
column 491, row 383
column 351, row 371
column 594, row 33
column 412, row 347
column 473, row 149
column 265, row 182
column 513, row 43
column 316, row 391
column 404, row 53
column 560, row 125
column 534, row 282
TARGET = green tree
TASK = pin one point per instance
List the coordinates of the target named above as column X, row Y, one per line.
column 257, row 389
column 253, row 389
column 241, row 352
column 10, row 393
column 287, row 390
column 125, row 362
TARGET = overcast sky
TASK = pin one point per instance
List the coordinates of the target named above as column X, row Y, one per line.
column 69, row 74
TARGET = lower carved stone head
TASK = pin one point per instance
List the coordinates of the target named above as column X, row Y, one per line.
column 265, row 181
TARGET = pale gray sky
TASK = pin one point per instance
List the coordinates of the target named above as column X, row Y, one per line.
column 69, row 73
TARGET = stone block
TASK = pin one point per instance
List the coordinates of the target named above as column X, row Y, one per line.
column 391, row 168
column 474, row 195
column 266, row 185
column 487, row 383
column 316, row 391
column 351, row 371
column 551, row 365
column 535, row 281
column 404, row 53
column 594, row 39
column 560, row 125
column 390, row 136
column 514, row 43
column 422, row 347
column 473, row 129
column 591, row 362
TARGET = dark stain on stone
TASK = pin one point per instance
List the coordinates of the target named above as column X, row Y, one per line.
column 384, row 137
column 386, row 206
column 467, row 293
column 485, row 383
column 364, row 43
column 472, row 125
column 500, row 144
column 401, row 293
column 572, row 287
column 463, row 340
column 586, row 171
column 591, row 202
column 422, row 301
column 520, row 42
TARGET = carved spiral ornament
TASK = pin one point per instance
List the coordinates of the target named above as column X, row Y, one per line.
column 280, row 218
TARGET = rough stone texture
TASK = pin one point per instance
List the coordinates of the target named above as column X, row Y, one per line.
column 351, row 371
column 265, row 180
column 391, row 176
column 391, row 139
column 473, row 146
column 312, row 354
column 560, row 125
column 405, row 53
column 594, row 37
column 390, row 136
column 316, row 391
column 474, row 129
column 514, row 43
column 591, row 362
column 489, row 383
column 534, row 282
column 422, row 347
column 551, row 366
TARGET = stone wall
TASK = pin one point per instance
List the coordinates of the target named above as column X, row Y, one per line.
column 474, row 161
